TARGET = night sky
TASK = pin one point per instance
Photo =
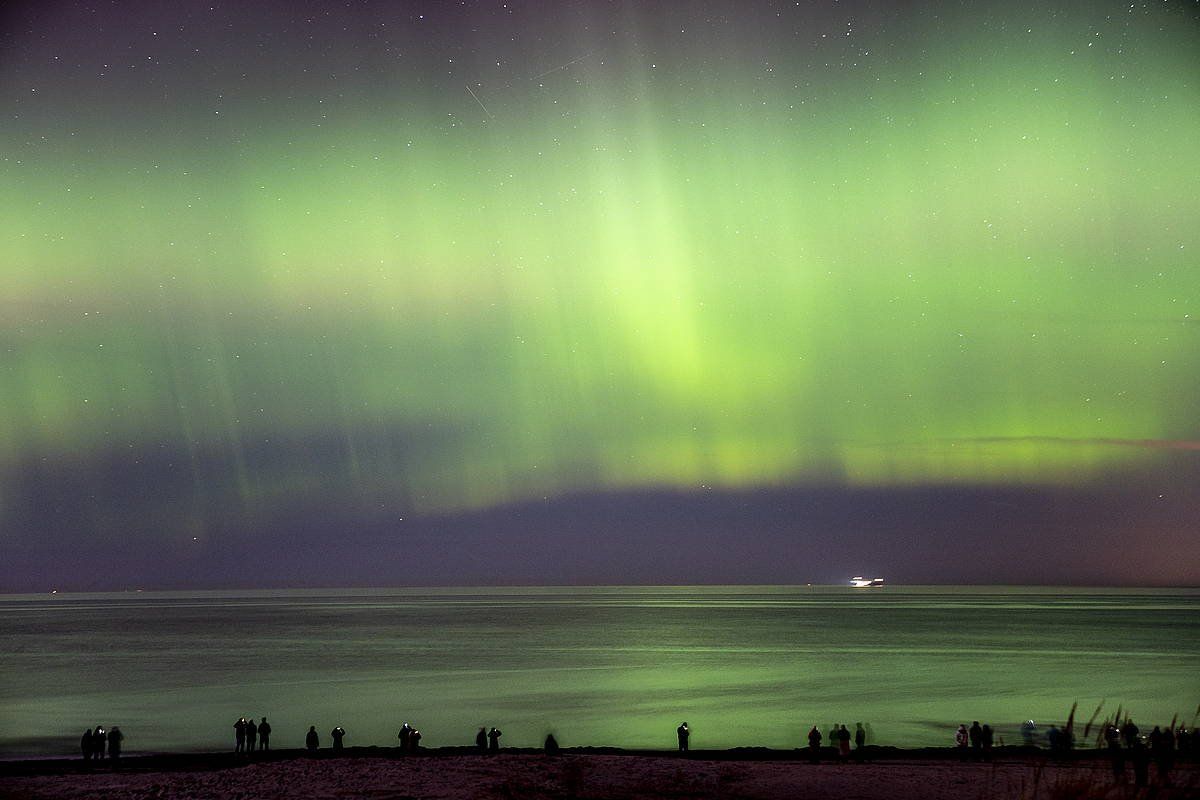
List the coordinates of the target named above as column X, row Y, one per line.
column 379, row 293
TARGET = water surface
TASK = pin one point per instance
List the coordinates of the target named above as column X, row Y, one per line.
column 743, row 665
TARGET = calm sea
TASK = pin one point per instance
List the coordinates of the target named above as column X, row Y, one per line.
column 602, row 666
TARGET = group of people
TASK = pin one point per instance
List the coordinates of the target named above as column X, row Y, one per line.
column 410, row 738
column 247, row 734
column 489, row 741
column 95, row 741
column 1161, row 744
column 975, row 741
column 839, row 738
column 1122, row 743
column 312, row 740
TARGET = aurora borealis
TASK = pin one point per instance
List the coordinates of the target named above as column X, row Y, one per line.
column 445, row 266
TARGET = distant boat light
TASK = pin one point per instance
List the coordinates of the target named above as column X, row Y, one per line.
column 860, row 582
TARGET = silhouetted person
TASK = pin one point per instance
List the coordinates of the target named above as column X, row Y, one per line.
column 414, row 740
column 85, row 744
column 551, row 745
column 1164, row 755
column 494, row 740
column 1116, row 756
column 264, row 735
column 1028, row 732
column 684, row 733
column 239, row 735
column 860, row 741
column 251, row 735
column 1054, row 739
column 1129, row 732
column 99, row 739
column 337, row 734
column 311, row 740
column 1141, row 763
column 814, row 745
column 987, row 737
column 961, row 738
column 975, row 734
column 870, row 733
column 405, row 731
column 481, row 740
column 115, row 737
column 843, row 738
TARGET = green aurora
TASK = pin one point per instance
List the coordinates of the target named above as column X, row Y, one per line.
column 968, row 257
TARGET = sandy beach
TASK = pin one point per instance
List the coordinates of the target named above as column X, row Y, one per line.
column 363, row 773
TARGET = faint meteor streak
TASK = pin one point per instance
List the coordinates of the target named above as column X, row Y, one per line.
column 562, row 66
column 1148, row 444
column 534, row 78
column 477, row 100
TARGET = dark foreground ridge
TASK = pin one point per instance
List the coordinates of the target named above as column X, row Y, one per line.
column 199, row 762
